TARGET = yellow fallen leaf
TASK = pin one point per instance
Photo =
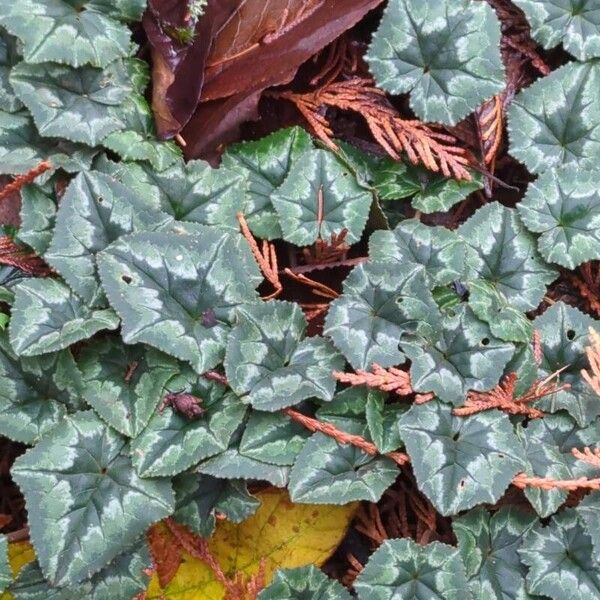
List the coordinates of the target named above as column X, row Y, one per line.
column 19, row 554
column 284, row 534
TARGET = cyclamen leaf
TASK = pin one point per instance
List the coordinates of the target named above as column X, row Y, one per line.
column 560, row 561
column 321, row 196
column 460, row 462
column 199, row 497
column 9, row 57
column 488, row 544
column 38, row 215
column 76, row 104
column 347, row 411
column 564, row 336
column 47, row 316
column 303, row 582
column 403, row 569
column 589, row 513
column 440, row 251
column 85, row 502
column 327, row 472
column 574, row 23
column 382, row 419
column 265, row 164
column 269, row 360
column 445, row 54
column 162, row 284
column 556, row 120
column 463, row 356
column 563, row 205
column 172, row 443
column 5, row 571
column 380, row 302
column 124, row 384
column 503, row 254
column 95, row 211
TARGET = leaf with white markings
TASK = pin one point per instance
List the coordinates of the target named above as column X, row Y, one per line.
column 38, row 218
column 303, row 582
column 9, row 57
column 5, row 572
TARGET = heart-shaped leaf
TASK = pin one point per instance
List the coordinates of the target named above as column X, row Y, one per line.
column 85, row 502
column 461, row 462
column 303, row 582
column 270, row 361
column 177, row 291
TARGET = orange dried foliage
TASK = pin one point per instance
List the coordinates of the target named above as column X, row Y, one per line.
column 587, row 281
column 14, row 255
column 592, row 377
column 591, row 457
column 23, row 180
column 434, row 150
column 317, row 288
column 165, row 552
column 490, row 125
column 386, row 380
column 341, row 57
column 327, row 251
column 523, row 481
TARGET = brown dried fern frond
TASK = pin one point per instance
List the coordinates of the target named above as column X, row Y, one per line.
column 434, row 150
column 14, row 255
column 327, row 251
column 386, row 380
column 22, row 180
column 592, row 377
column 588, row 455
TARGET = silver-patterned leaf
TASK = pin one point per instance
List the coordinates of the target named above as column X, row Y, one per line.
column 380, row 303
column 5, row 571
column 327, row 472
column 265, row 164
column 271, row 362
column 77, row 104
column 178, row 291
column 321, row 196
column 556, row 120
column 85, row 502
column 404, row 569
column 382, row 420
column 462, row 356
column 38, row 217
column 589, row 513
column 9, row 57
column 559, row 557
column 47, row 316
column 303, row 583
column 460, row 462
column 95, row 211
column 444, row 53
column 488, row 545
column 563, row 205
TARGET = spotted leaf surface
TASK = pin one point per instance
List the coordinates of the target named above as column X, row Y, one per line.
column 47, row 316
column 556, row 120
column 445, row 54
column 265, row 164
column 95, row 211
column 440, row 251
column 460, row 462
column 178, row 291
column 403, row 569
column 270, row 361
column 321, row 196
column 559, row 557
column 171, row 443
column 76, row 104
column 488, row 545
column 89, row 503
column 303, row 582
column 380, row 302
column 573, row 23
column 461, row 356
column 563, row 205
column 331, row 473
column 564, row 335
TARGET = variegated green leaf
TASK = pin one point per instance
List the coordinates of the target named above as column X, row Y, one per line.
column 563, row 205
column 47, row 316
column 573, row 23
column 85, row 502
column 462, row 355
column 404, row 569
column 380, row 303
column 265, row 164
column 172, row 442
column 178, row 291
column 347, row 411
column 488, row 545
column 556, row 120
column 9, row 57
column 327, row 472
column 559, row 557
column 200, row 497
column 269, row 360
column 77, row 104
column 589, row 513
column 444, row 53
column 440, row 251
column 564, row 335
column 382, row 419
column 321, row 196
column 460, row 462
column 65, row 32
column 38, row 216
column 303, row 583
column 124, row 384
column 5, row 572
column 95, row 211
